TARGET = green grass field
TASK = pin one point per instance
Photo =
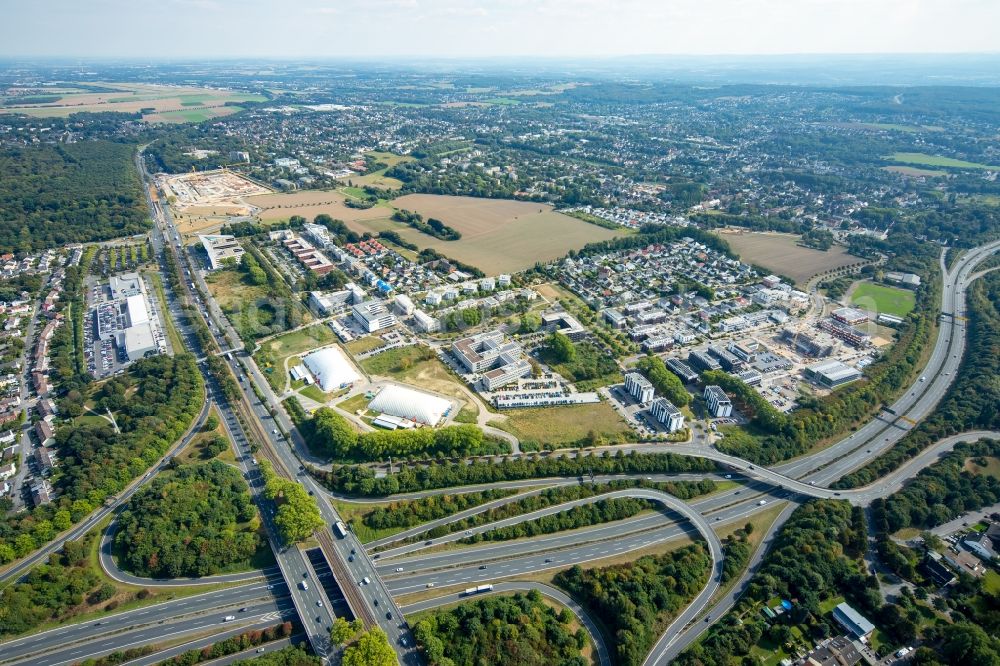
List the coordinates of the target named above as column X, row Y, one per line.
column 564, row 426
column 888, row 300
column 923, row 159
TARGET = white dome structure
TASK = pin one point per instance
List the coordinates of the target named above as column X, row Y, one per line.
column 331, row 368
column 409, row 404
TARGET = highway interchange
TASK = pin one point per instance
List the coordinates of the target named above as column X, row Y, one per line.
column 269, row 597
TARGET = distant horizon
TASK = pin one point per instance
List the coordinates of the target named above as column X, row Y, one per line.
column 295, row 29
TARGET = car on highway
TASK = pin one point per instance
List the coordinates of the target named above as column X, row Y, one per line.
column 366, row 580
column 375, row 602
column 402, row 641
column 762, row 503
column 388, row 616
column 319, row 602
column 229, row 618
column 482, row 566
column 304, row 585
column 430, row 585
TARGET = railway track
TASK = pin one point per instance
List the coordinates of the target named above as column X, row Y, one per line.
column 340, row 573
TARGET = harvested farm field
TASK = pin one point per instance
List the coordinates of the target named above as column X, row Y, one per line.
column 781, row 253
column 310, row 203
column 499, row 235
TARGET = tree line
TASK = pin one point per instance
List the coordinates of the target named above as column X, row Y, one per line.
column 562, row 494
column 332, row 434
column 585, row 515
column 361, row 480
column 414, row 512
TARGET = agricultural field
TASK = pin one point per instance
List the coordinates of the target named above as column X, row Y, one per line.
column 923, row 159
column 915, row 172
column 881, row 299
column 499, row 236
column 310, row 203
column 157, row 103
column 781, row 254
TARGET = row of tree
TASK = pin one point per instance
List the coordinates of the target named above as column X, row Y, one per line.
column 584, row 515
column 414, row 512
column 361, row 479
column 333, row 435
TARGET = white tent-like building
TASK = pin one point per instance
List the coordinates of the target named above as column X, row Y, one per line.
column 409, row 404
column 331, row 368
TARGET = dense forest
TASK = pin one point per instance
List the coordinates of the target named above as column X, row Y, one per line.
column 331, row 434
column 154, row 402
column 636, row 601
column 971, row 402
column 53, row 195
column 520, row 630
column 197, row 521
column 361, row 480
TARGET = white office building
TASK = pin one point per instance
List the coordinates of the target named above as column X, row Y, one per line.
column 719, row 404
column 666, row 413
column 373, row 316
column 638, row 387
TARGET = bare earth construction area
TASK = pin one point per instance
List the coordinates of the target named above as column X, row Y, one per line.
column 780, row 253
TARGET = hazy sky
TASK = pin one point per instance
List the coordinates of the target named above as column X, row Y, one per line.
column 373, row 28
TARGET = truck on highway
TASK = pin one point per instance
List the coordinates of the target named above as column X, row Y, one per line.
column 479, row 589
column 340, row 528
